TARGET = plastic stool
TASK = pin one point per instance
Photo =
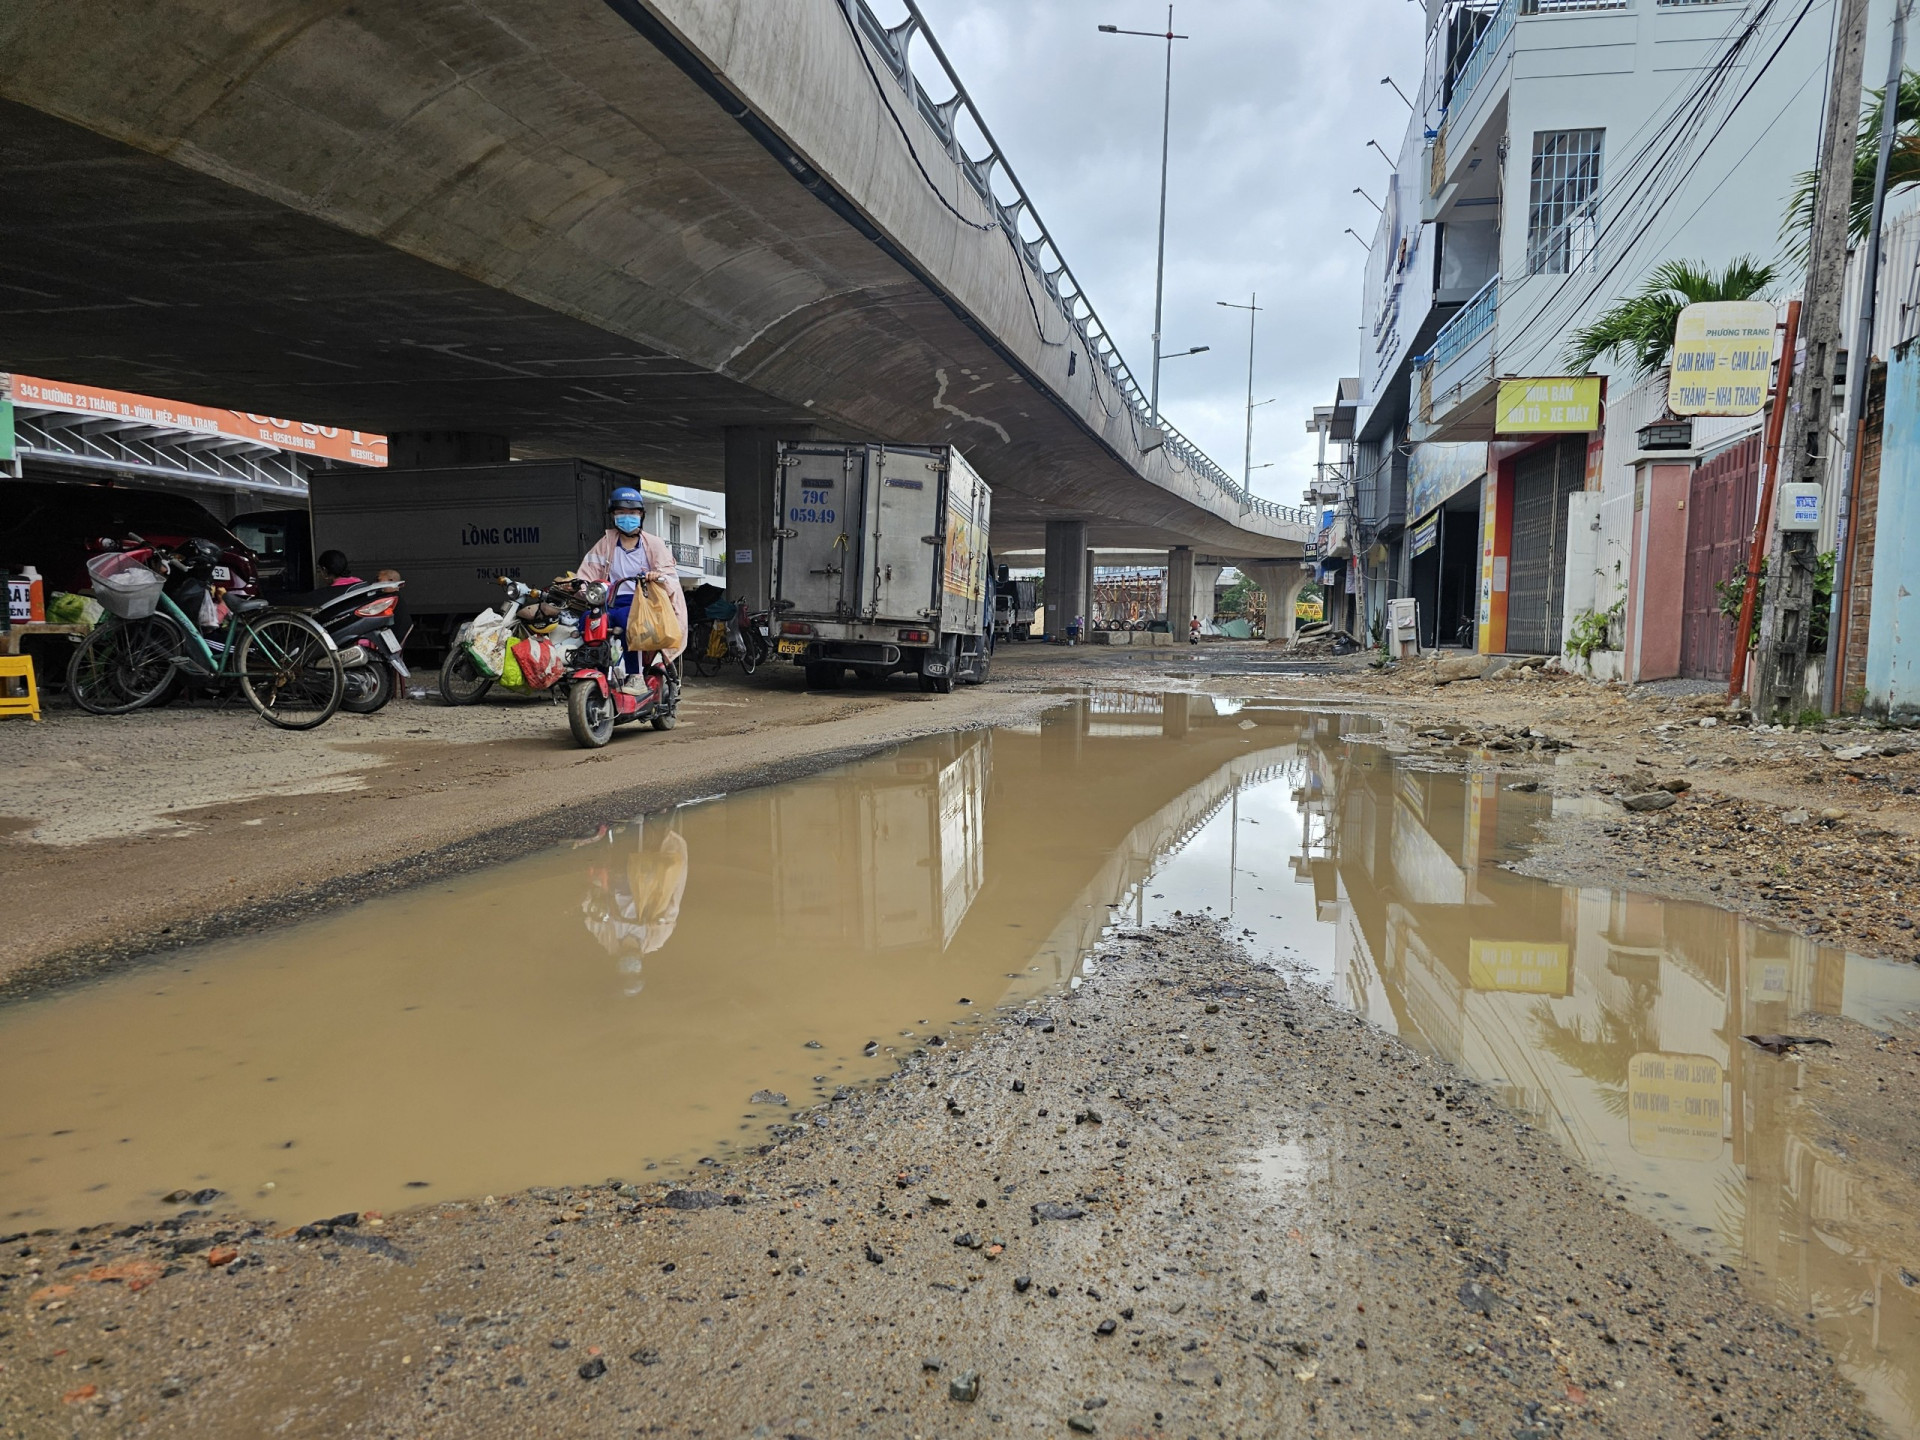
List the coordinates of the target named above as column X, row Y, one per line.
column 18, row 667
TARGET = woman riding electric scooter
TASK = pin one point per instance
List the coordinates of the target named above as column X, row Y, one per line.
column 621, row 558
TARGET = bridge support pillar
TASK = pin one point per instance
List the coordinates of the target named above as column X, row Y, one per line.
column 751, row 491
column 422, row 449
column 1069, row 564
column 1180, row 592
column 1282, row 583
column 1205, row 578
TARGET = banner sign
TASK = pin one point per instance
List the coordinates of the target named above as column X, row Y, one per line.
column 1722, row 356
column 1556, row 405
column 1426, row 534
column 327, row 442
column 1437, row 470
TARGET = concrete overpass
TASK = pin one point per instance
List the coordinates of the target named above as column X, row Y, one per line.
column 660, row 233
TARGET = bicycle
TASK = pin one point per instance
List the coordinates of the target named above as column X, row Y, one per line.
column 735, row 635
column 284, row 662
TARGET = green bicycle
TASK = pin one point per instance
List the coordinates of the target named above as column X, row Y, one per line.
column 282, row 661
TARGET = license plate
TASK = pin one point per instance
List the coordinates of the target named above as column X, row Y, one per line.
column 390, row 640
column 221, row 572
column 793, row 647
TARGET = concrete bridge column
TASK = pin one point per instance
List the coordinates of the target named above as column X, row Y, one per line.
column 1180, row 592
column 1282, row 584
column 1205, row 578
column 421, row 449
column 748, row 467
column 1068, row 566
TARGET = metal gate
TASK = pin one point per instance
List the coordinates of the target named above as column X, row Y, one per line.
column 1721, row 504
column 1536, row 568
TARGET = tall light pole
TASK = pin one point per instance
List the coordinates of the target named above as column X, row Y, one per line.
column 1160, row 260
column 1253, row 311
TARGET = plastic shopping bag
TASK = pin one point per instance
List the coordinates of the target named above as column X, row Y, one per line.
column 541, row 662
column 487, row 640
column 653, row 623
column 510, row 677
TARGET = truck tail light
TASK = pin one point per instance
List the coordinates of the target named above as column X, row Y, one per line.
column 916, row 636
column 794, row 627
column 383, row 606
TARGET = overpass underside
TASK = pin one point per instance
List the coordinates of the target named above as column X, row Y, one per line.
column 533, row 219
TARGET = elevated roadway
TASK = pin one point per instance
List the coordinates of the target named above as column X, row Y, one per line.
column 658, row 233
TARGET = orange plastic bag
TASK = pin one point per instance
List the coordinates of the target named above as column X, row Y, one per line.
column 652, row 622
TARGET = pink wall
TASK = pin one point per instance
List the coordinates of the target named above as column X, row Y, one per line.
column 1657, row 573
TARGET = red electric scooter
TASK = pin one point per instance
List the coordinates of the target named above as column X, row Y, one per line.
column 597, row 694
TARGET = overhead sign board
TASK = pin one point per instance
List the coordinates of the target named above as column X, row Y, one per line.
column 327, row 442
column 1553, row 405
column 1722, row 354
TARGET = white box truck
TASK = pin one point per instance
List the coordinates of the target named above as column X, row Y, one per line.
column 881, row 563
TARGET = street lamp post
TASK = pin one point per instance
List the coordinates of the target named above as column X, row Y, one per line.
column 1253, row 310
column 1160, row 261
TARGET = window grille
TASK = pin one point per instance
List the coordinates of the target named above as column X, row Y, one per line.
column 1563, row 202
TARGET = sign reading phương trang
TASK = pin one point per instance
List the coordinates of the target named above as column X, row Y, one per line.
column 1722, row 354
column 1553, row 405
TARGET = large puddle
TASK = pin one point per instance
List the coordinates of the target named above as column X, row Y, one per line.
column 619, row 1004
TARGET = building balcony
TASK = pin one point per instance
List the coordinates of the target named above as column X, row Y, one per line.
column 1457, row 378
column 713, row 565
column 687, row 555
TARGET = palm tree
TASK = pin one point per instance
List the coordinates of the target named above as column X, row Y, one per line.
column 1639, row 327
column 1903, row 168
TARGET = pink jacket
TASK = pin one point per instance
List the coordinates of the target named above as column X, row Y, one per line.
column 661, row 567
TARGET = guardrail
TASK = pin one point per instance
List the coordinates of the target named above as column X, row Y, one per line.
column 684, row 553
column 1467, row 325
column 892, row 44
column 1484, row 50
column 713, row 564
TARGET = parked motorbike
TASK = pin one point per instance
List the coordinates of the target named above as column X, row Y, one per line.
column 361, row 620
column 598, row 697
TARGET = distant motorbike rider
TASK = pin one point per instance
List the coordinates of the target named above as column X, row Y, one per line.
column 624, row 556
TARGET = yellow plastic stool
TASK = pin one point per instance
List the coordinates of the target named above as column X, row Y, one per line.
column 18, row 667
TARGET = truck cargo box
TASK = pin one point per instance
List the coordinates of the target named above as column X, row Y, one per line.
column 452, row 531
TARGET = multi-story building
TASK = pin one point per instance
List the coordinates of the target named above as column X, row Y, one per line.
column 1559, row 150
column 690, row 523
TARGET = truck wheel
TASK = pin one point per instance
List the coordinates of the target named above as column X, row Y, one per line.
column 937, row 684
column 823, row 677
column 979, row 675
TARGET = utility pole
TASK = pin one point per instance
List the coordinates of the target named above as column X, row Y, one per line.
column 1252, row 307
column 1859, row 371
column 1160, row 257
column 1779, row 690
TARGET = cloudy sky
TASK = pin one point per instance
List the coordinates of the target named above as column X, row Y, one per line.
column 1273, row 102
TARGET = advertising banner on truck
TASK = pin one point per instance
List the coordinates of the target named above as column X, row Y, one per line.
column 966, row 572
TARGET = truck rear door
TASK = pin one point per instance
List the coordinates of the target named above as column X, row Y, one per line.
column 816, row 566
column 904, row 497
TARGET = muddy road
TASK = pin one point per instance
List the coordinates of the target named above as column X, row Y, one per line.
column 1187, row 1197
column 1393, row 1068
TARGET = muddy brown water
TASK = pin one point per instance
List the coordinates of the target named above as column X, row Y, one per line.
column 616, row 1005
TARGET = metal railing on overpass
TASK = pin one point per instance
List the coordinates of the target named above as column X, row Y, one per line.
column 892, row 43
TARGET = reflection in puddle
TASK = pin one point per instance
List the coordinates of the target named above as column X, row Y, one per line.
column 613, row 1004
column 1280, row 1169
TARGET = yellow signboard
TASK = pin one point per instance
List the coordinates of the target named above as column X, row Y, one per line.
column 1522, row 967
column 1557, row 405
column 1674, row 1105
column 1722, row 353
